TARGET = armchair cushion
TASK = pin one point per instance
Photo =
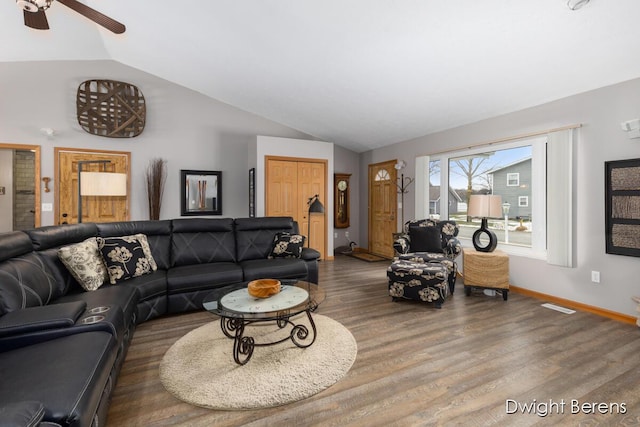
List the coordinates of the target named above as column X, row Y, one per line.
column 425, row 239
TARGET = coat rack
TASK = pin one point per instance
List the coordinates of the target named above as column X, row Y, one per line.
column 403, row 184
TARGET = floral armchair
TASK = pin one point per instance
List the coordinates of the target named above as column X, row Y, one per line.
column 429, row 241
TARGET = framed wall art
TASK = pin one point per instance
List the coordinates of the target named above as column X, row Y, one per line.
column 201, row 192
column 252, row 192
column 622, row 207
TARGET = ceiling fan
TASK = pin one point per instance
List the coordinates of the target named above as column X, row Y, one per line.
column 34, row 16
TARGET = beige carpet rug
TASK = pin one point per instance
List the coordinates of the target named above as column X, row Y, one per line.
column 199, row 368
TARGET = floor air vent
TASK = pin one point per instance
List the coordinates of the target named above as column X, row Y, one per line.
column 558, row 308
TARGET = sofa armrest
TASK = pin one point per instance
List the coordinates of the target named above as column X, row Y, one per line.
column 402, row 244
column 453, row 248
column 309, row 254
column 53, row 316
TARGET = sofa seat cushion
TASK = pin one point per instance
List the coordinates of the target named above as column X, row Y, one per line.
column 188, row 278
column 72, row 382
column 277, row 268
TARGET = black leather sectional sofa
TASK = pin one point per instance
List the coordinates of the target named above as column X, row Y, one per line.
column 61, row 347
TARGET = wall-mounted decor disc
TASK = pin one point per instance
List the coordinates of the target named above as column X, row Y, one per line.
column 111, row 108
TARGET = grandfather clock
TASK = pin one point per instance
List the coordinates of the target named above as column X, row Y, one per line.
column 341, row 204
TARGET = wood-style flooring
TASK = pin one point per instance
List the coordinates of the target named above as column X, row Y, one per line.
column 478, row 361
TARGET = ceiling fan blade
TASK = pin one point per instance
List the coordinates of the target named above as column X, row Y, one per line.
column 97, row 17
column 36, row 20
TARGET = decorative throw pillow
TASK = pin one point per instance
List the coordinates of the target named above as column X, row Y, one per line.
column 287, row 245
column 126, row 256
column 85, row 263
column 425, row 239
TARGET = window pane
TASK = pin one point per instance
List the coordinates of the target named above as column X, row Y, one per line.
column 434, row 189
column 502, row 172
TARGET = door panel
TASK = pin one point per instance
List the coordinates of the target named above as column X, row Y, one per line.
column 94, row 208
column 382, row 208
column 282, row 178
column 311, row 181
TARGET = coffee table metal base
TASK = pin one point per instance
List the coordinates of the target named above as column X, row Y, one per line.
column 243, row 346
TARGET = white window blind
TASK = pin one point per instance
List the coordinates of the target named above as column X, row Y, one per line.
column 560, row 198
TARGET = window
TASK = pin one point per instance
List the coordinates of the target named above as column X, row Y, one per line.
column 515, row 171
column 382, row 175
column 523, row 201
column 536, row 221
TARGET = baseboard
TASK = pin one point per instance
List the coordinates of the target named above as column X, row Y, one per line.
column 624, row 318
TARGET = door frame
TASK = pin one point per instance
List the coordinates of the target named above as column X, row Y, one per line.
column 56, row 174
column 37, row 185
column 394, row 178
column 326, row 188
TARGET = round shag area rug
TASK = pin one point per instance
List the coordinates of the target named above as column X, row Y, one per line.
column 199, row 368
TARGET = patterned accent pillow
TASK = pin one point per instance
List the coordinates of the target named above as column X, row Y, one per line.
column 85, row 263
column 425, row 239
column 287, row 245
column 126, row 257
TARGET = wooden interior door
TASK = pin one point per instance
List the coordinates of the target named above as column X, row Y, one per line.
column 383, row 202
column 282, row 188
column 94, row 208
column 311, row 181
column 289, row 184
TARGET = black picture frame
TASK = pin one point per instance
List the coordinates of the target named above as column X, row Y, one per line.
column 622, row 207
column 201, row 192
column 252, row 192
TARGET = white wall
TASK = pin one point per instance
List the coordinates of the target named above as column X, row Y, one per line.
column 600, row 112
column 6, row 181
column 346, row 161
column 287, row 147
column 187, row 129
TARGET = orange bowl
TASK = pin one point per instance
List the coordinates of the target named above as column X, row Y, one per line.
column 263, row 288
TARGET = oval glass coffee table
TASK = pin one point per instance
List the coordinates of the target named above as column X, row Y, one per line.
column 237, row 309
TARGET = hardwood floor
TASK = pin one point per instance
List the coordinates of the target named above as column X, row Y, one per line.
column 468, row 364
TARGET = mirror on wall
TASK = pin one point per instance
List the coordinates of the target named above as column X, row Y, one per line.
column 19, row 187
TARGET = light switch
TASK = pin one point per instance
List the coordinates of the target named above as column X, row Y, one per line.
column 1, row 191
column 47, row 207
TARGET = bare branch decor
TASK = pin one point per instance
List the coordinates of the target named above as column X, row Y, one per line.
column 156, row 177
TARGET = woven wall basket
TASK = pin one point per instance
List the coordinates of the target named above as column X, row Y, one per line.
column 111, row 108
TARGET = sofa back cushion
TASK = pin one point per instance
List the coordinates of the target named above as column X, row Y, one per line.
column 47, row 240
column 202, row 240
column 25, row 281
column 255, row 236
column 158, row 235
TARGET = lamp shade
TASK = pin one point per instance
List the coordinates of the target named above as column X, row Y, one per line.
column 316, row 207
column 103, row 184
column 485, row 206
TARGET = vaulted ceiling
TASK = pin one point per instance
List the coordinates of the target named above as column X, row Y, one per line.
column 360, row 73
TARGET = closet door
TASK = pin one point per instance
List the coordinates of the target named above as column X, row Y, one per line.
column 311, row 181
column 289, row 185
column 282, row 188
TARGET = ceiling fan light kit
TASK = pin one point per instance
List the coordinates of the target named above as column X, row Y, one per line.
column 576, row 4
column 34, row 16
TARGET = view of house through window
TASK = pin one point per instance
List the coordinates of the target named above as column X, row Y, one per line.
column 505, row 172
